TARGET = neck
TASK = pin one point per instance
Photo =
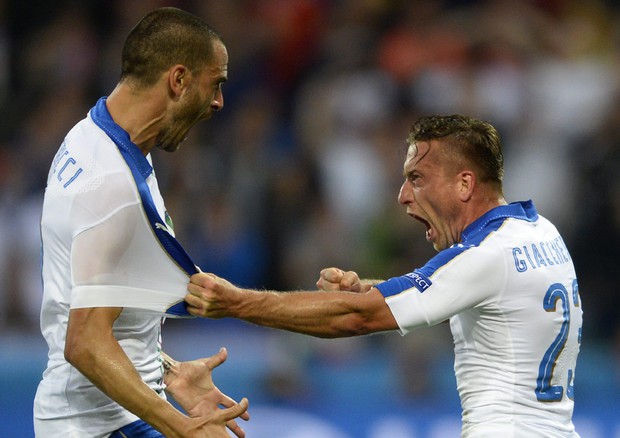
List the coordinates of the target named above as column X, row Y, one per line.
column 477, row 208
column 139, row 112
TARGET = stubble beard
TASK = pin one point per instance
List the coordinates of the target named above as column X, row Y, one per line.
column 166, row 144
column 171, row 137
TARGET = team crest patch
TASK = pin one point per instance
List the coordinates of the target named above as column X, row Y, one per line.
column 169, row 220
column 421, row 281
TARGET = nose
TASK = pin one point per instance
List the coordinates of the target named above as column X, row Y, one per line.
column 218, row 101
column 405, row 195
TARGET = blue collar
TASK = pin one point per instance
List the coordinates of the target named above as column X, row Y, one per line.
column 140, row 169
column 473, row 235
column 102, row 118
column 524, row 210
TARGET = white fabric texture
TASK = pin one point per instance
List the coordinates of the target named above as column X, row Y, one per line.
column 511, row 298
column 99, row 250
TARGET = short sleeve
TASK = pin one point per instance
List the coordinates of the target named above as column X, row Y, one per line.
column 116, row 259
column 428, row 297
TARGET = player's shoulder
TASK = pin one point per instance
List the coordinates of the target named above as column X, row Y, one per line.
column 86, row 137
column 92, row 148
column 510, row 229
column 516, row 230
column 87, row 160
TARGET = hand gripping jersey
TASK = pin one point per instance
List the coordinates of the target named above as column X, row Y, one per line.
column 107, row 242
column 510, row 292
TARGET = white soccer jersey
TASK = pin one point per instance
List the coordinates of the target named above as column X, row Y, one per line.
column 510, row 292
column 105, row 244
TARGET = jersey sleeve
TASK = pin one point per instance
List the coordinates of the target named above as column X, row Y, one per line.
column 456, row 279
column 116, row 260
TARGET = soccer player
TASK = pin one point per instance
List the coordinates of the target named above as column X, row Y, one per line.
column 112, row 269
column 503, row 277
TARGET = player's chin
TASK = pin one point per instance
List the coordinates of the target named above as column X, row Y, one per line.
column 170, row 147
column 440, row 244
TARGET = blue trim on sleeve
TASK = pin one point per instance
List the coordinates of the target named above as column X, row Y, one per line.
column 472, row 236
column 141, row 169
column 395, row 285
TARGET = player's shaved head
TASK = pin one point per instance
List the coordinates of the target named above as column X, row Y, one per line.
column 163, row 38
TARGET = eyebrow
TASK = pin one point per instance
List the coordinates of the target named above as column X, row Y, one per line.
column 410, row 174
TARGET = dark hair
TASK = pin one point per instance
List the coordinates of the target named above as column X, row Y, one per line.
column 470, row 141
column 163, row 38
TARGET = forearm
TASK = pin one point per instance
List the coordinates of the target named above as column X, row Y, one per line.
column 321, row 314
column 112, row 372
column 368, row 284
column 326, row 314
column 92, row 348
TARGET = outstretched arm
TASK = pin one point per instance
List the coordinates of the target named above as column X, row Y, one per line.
column 191, row 385
column 323, row 314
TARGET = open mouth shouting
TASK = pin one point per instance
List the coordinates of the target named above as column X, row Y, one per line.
column 426, row 224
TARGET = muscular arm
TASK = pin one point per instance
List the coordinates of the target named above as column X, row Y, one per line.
column 326, row 314
column 92, row 348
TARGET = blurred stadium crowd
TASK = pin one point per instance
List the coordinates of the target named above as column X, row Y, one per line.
column 302, row 167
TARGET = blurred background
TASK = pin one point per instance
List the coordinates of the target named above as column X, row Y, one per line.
column 301, row 171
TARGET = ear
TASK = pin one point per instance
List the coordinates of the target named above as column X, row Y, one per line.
column 178, row 80
column 466, row 184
